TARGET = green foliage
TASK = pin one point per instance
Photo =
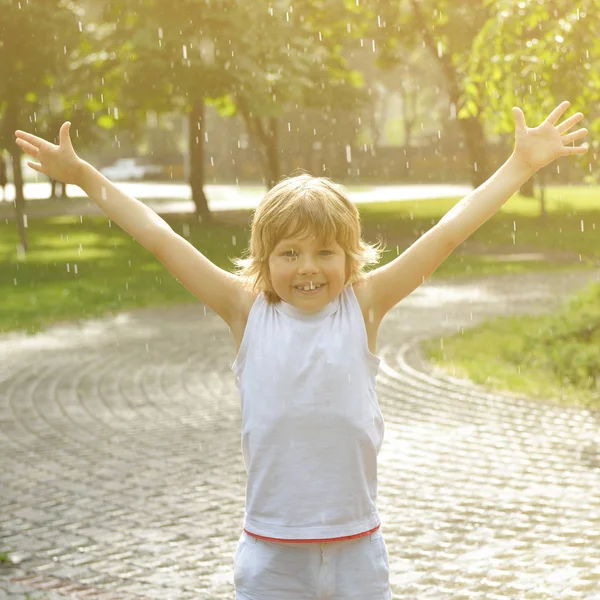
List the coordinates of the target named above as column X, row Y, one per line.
column 536, row 54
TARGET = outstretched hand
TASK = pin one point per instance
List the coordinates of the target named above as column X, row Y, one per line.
column 57, row 162
column 539, row 146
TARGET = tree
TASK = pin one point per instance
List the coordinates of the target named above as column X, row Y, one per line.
column 174, row 57
column 448, row 29
column 37, row 43
column 535, row 55
column 291, row 57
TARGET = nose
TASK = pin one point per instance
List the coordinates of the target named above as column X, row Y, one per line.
column 307, row 265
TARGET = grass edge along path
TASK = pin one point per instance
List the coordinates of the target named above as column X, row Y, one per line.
column 83, row 267
column 553, row 357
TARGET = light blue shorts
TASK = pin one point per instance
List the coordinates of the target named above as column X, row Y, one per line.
column 356, row 569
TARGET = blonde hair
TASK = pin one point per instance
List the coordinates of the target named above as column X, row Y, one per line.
column 297, row 205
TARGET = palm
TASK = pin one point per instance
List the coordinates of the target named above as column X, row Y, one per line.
column 539, row 146
column 57, row 162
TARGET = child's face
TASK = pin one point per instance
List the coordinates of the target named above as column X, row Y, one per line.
column 299, row 261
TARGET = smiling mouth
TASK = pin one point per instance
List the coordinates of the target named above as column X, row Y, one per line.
column 309, row 288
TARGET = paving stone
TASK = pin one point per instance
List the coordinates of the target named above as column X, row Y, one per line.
column 122, row 477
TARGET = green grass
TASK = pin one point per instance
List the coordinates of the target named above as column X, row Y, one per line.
column 553, row 357
column 82, row 267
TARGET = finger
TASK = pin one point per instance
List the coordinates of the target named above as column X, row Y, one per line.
column 557, row 112
column 27, row 147
column 568, row 123
column 65, row 140
column 576, row 135
column 35, row 166
column 575, row 149
column 520, row 124
column 29, row 137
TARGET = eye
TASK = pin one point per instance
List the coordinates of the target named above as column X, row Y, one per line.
column 326, row 252
column 290, row 253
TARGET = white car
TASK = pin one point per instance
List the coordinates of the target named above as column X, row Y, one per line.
column 131, row 168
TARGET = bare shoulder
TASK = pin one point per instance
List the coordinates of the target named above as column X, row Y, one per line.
column 364, row 294
column 239, row 321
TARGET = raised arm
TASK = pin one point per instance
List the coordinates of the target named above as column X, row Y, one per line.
column 215, row 287
column 534, row 148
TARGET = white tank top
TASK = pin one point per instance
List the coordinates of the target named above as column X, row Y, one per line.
column 311, row 423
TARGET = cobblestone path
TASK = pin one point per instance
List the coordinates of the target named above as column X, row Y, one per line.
column 122, row 475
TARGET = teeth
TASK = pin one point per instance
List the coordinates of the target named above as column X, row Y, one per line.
column 308, row 288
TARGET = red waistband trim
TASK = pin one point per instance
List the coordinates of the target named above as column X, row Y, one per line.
column 348, row 537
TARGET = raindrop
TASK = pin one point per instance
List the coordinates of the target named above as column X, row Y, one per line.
column 80, row 26
column 348, row 154
column 233, row 240
column 184, row 48
column 582, row 226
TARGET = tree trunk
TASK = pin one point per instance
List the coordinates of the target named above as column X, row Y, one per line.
column 272, row 150
column 268, row 139
column 196, row 159
column 542, row 186
column 471, row 127
column 477, row 150
column 15, row 154
column 527, row 188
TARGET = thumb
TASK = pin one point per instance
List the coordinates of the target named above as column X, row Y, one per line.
column 520, row 126
column 63, row 135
